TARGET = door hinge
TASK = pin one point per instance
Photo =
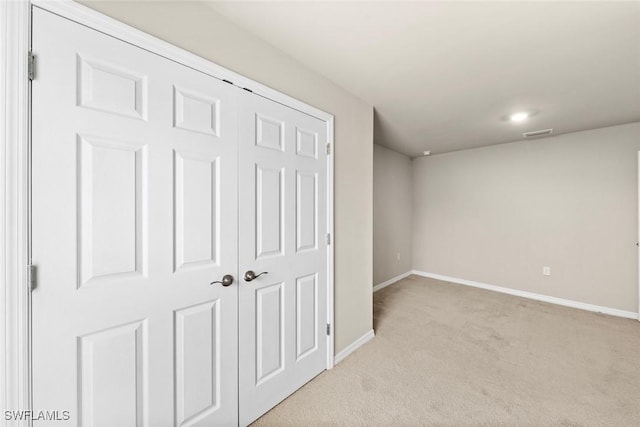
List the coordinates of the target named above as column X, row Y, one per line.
column 328, row 149
column 31, row 66
column 32, row 277
column 328, row 238
column 328, row 329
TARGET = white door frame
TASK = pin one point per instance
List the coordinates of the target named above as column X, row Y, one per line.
column 15, row 30
column 638, row 253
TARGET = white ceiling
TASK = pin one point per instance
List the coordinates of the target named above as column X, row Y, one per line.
column 442, row 75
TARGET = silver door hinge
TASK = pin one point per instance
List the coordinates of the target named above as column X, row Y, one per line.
column 328, row 329
column 32, row 277
column 328, row 238
column 31, row 66
column 328, row 148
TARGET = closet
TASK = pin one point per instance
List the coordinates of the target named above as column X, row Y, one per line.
column 179, row 229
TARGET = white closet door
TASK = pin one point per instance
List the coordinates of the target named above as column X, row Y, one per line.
column 282, row 314
column 134, row 214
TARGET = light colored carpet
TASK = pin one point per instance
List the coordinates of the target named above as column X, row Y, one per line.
column 450, row 355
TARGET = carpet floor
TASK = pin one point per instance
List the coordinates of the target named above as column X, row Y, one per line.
column 450, row 355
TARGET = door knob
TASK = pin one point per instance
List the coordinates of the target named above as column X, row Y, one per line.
column 227, row 280
column 250, row 275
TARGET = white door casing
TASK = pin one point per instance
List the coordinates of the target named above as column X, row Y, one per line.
column 15, row 299
column 134, row 190
column 283, row 228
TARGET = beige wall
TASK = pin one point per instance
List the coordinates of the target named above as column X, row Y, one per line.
column 392, row 212
column 499, row 214
column 195, row 27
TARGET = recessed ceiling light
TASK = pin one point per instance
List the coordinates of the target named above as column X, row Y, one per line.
column 426, row 153
column 519, row 117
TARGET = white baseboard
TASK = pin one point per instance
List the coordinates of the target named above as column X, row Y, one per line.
column 353, row 346
column 392, row 281
column 531, row 295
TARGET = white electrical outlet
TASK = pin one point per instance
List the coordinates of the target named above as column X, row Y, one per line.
column 398, row 256
column 546, row 271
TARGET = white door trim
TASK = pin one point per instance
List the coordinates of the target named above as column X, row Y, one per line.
column 638, row 253
column 15, row 30
column 331, row 245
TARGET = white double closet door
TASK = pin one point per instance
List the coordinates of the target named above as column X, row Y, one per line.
column 150, row 180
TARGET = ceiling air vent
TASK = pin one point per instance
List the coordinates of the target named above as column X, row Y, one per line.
column 537, row 133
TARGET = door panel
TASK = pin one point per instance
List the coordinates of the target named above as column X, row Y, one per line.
column 270, row 332
column 134, row 213
column 197, row 205
column 112, row 212
column 197, row 350
column 269, row 188
column 282, row 218
column 306, row 212
column 110, row 87
column 113, row 371
column 306, row 315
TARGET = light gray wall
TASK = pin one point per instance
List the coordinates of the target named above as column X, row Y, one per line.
column 392, row 213
column 197, row 28
column 499, row 214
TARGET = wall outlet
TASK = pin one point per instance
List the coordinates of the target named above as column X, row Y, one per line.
column 546, row 271
column 398, row 256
